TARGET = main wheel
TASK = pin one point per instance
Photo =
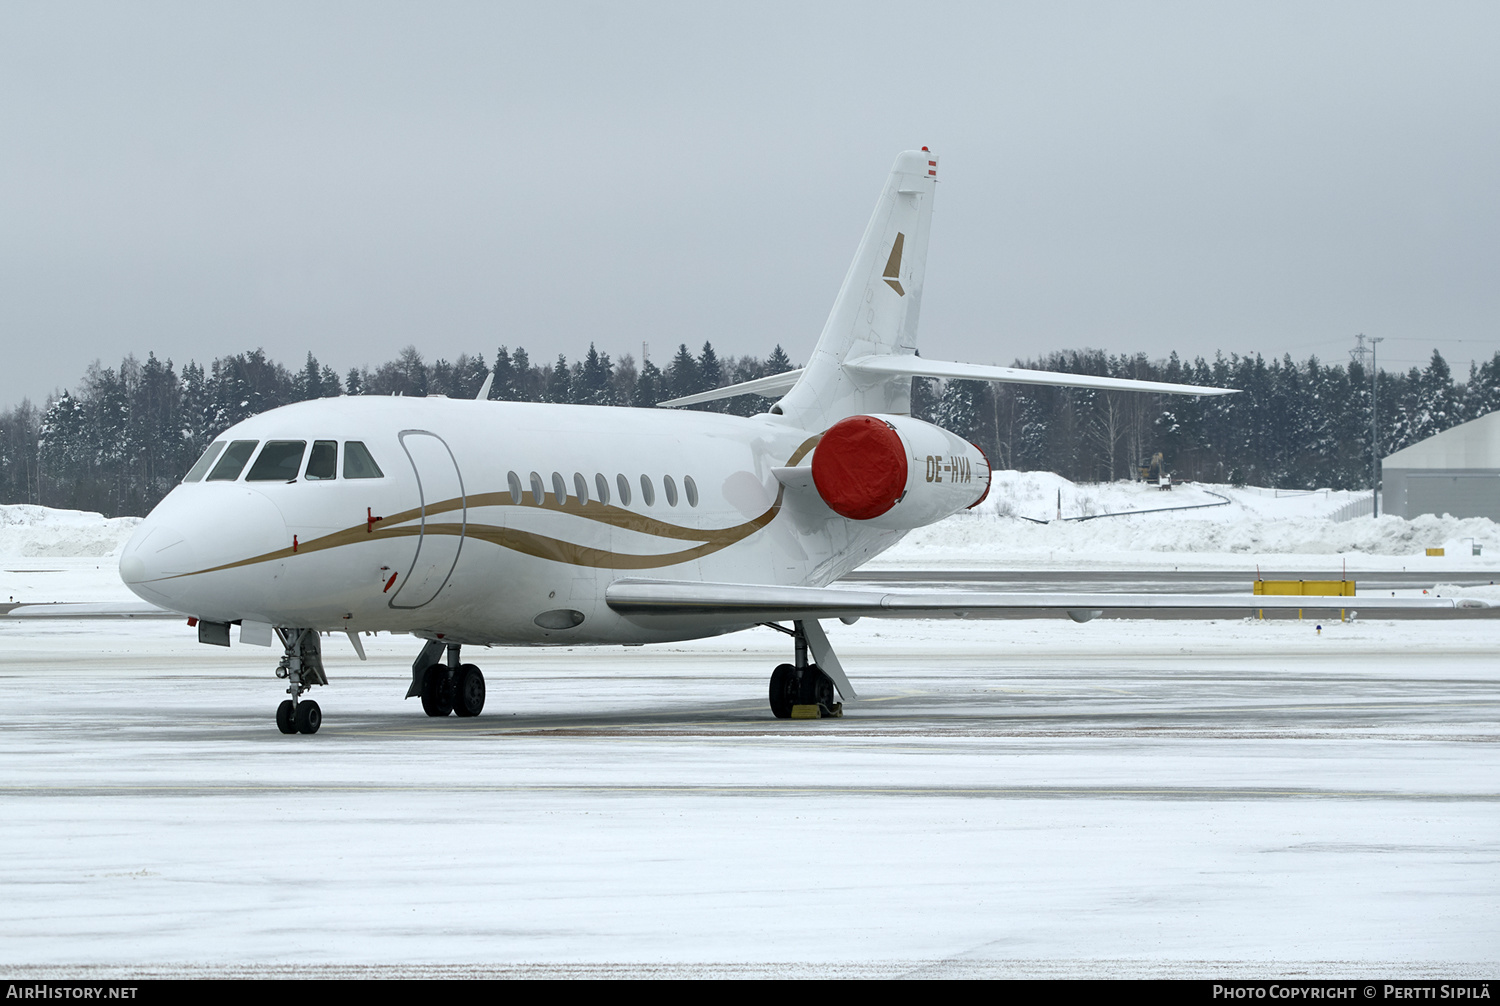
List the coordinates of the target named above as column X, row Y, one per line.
column 284, row 714
column 468, row 691
column 437, row 696
column 309, row 717
column 783, row 691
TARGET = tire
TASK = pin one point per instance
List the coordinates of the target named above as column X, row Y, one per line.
column 437, row 697
column 783, row 691
column 284, row 714
column 309, row 717
column 468, row 691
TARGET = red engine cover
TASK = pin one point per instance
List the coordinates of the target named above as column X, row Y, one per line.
column 860, row 467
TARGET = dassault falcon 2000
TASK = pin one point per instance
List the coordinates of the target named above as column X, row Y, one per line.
column 478, row 523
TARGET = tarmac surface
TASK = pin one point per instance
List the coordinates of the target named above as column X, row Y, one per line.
column 1206, row 799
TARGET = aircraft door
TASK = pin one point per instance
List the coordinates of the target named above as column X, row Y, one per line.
column 444, row 514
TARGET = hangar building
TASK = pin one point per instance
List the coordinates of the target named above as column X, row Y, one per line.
column 1454, row 472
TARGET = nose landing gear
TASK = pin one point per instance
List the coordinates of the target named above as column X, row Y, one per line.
column 302, row 667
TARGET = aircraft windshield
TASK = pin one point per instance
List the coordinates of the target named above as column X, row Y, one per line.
column 358, row 464
column 233, row 461
column 278, row 462
column 324, row 462
column 196, row 472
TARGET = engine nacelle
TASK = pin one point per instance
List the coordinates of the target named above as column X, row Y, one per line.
column 897, row 472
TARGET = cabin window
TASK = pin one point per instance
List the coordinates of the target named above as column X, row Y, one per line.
column 358, row 464
column 671, row 489
column 515, row 487
column 623, row 484
column 233, row 461
column 196, row 472
column 580, row 487
column 559, row 488
column 279, row 461
column 538, row 491
column 691, row 488
column 648, row 491
column 323, row 463
column 602, row 485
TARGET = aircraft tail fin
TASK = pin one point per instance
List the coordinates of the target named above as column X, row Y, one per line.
column 877, row 308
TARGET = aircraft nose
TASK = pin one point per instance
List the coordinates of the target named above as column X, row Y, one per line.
column 194, row 530
column 157, row 550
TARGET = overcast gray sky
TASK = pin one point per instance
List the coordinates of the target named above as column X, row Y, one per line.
column 201, row 179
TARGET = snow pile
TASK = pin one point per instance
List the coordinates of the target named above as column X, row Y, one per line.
column 28, row 531
column 1040, row 495
column 1225, row 523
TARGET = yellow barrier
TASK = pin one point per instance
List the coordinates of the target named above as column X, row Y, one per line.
column 1434, row 551
column 1308, row 588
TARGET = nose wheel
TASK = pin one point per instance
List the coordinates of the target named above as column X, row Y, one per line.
column 299, row 718
column 302, row 667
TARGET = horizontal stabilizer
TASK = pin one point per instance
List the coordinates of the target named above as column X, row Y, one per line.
column 916, row 366
column 683, row 601
column 766, row 387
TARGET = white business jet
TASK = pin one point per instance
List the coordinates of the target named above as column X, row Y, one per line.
column 478, row 523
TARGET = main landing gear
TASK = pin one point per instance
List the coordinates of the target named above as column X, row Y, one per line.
column 451, row 687
column 803, row 690
column 302, row 667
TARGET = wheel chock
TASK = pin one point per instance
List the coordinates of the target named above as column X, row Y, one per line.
column 810, row 711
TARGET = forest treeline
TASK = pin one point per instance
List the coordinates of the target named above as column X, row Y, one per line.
column 125, row 436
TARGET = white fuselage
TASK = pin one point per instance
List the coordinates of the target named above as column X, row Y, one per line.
column 457, row 552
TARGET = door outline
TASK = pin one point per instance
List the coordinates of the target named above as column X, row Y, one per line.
column 422, row 536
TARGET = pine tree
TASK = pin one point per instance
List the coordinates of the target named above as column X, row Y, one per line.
column 682, row 376
column 503, row 388
column 309, row 381
column 528, row 379
column 560, row 381
column 710, row 376
column 958, row 407
column 650, row 387
column 779, row 363
column 593, row 386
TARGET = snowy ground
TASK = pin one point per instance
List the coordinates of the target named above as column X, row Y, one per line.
column 1011, row 798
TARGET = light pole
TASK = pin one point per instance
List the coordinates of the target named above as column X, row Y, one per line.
column 1374, row 430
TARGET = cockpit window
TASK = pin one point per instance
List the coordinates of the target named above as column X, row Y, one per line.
column 358, row 464
column 233, row 461
column 196, row 472
column 324, row 462
column 279, row 461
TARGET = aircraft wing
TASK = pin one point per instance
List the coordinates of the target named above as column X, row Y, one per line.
column 88, row 609
column 918, row 366
column 680, row 602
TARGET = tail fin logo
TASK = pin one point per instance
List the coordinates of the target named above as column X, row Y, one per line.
column 892, row 272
